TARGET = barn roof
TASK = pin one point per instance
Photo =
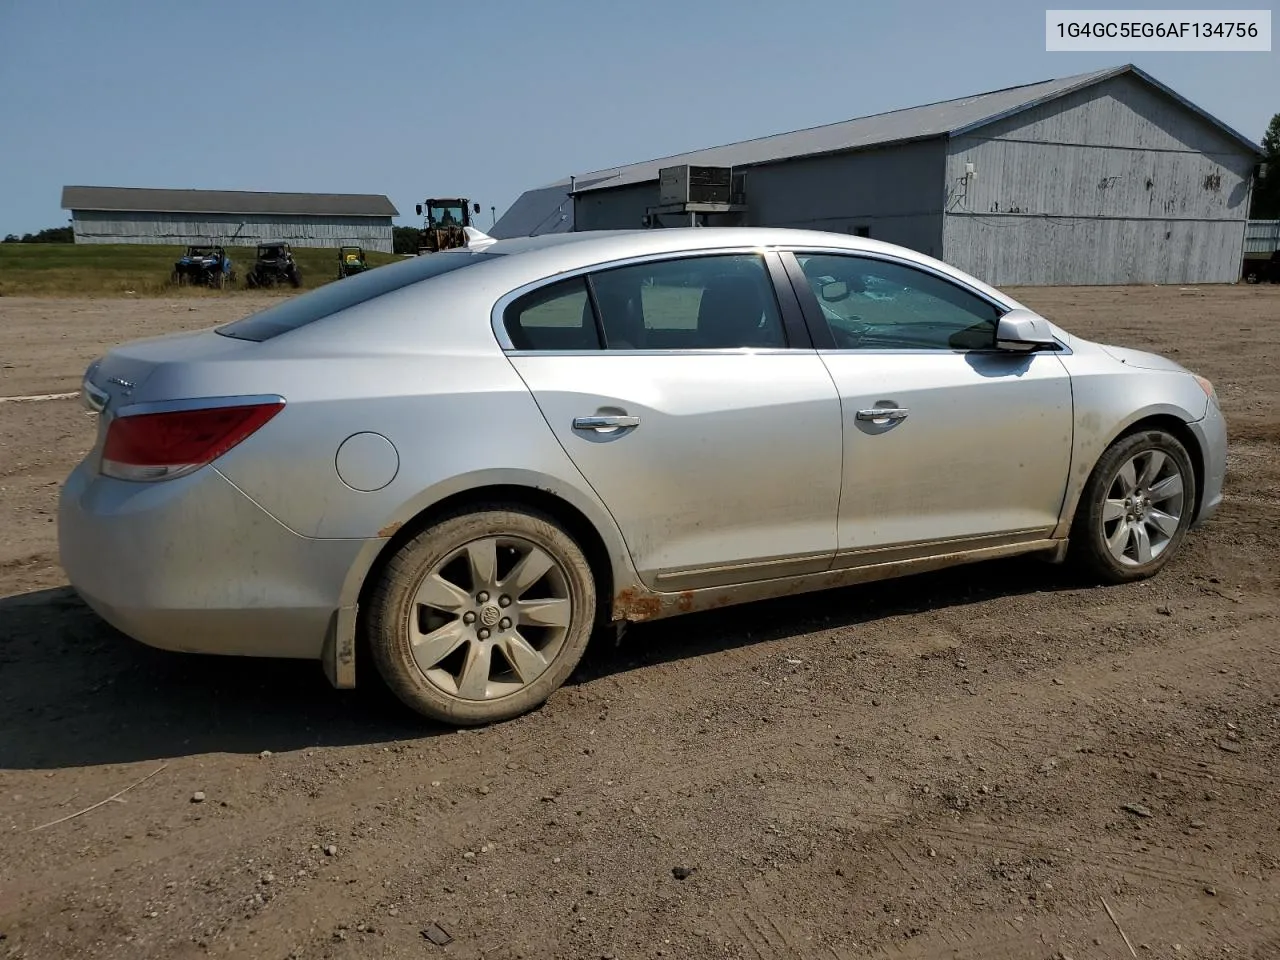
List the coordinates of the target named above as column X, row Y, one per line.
column 137, row 200
column 945, row 118
column 948, row 117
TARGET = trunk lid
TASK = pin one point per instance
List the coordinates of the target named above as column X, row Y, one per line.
column 122, row 376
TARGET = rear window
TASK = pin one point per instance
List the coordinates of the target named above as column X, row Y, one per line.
column 341, row 294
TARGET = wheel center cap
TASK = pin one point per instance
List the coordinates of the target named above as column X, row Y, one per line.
column 490, row 614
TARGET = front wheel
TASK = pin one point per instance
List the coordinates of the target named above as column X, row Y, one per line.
column 482, row 616
column 1135, row 508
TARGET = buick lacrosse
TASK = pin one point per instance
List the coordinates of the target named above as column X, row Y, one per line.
column 459, row 467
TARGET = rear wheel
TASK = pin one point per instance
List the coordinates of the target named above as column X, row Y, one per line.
column 482, row 616
column 1135, row 509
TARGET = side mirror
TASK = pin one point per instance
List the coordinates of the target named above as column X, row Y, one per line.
column 1023, row 331
column 418, row 207
column 475, row 207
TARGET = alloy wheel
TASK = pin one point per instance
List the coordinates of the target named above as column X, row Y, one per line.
column 1143, row 508
column 490, row 618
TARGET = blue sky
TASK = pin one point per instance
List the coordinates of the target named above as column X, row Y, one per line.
column 414, row 98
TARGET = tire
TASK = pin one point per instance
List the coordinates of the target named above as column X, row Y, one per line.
column 518, row 661
column 1252, row 277
column 1115, row 516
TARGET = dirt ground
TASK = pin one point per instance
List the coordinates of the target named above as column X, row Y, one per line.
column 979, row 763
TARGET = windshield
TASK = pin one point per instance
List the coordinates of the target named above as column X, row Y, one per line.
column 334, row 297
column 446, row 213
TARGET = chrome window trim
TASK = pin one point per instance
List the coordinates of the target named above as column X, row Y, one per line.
column 900, row 261
column 1062, row 351
column 197, row 403
column 684, row 352
column 497, row 323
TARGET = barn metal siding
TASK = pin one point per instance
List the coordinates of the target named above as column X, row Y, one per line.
column 896, row 192
column 1081, row 251
column 1112, row 184
column 893, row 191
column 91, row 226
column 620, row 209
column 1262, row 237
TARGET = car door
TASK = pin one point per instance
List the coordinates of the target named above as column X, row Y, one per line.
column 949, row 443
column 679, row 390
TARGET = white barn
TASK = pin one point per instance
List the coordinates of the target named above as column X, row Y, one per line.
column 240, row 217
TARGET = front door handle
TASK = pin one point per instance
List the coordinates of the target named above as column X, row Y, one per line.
column 883, row 414
column 604, row 423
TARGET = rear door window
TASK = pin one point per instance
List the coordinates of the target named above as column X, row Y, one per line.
column 719, row 302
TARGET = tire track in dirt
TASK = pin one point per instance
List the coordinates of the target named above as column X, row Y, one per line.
column 1204, row 923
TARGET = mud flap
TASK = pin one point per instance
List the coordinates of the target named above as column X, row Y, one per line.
column 339, row 654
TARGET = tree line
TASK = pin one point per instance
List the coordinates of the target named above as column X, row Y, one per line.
column 1266, row 189
column 51, row 235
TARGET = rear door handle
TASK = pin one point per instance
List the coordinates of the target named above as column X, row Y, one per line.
column 883, row 414
column 604, row 423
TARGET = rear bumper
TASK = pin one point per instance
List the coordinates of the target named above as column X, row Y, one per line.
column 1211, row 434
column 194, row 565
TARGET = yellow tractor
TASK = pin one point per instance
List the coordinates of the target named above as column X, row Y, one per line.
column 443, row 223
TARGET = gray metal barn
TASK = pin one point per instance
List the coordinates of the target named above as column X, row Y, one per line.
column 1101, row 178
column 133, row 215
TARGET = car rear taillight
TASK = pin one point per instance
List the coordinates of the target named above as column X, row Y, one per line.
column 161, row 446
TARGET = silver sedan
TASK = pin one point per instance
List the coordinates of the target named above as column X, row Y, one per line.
column 464, row 465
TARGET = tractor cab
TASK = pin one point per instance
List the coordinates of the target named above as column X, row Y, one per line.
column 453, row 212
column 444, row 220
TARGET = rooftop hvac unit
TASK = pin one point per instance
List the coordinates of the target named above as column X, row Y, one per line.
column 687, row 184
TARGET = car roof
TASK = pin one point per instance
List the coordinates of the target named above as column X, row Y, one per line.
column 674, row 239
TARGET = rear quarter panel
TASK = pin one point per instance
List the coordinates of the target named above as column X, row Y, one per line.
column 437, row 386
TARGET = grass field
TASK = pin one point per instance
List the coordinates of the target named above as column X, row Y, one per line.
column 110, row 270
